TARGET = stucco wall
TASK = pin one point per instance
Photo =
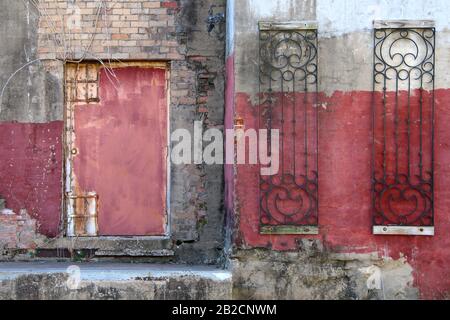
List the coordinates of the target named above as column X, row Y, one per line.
column 409, row 267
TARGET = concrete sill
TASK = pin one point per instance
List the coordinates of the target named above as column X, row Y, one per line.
column 115, row 246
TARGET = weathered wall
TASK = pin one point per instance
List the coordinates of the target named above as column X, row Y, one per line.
column 31, row 114
column 344, row 261
column 345, row 254
column 35, row 93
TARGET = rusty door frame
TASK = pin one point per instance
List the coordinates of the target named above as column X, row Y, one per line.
column 69, row 147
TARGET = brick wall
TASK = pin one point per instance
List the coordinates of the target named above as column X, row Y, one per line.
column 136, row 29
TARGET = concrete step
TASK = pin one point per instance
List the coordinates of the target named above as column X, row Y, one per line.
column 100, row 281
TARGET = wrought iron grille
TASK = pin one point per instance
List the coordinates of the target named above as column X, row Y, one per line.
column 403, row 130
column 288, row 99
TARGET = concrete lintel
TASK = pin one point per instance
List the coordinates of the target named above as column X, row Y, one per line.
column 403, row 231
column 289, row 25
column 399, row 24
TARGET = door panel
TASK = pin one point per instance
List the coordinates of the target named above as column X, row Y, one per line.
column 121, row 150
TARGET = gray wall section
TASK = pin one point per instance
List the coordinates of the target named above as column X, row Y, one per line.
column 345, row 30
column 247, row 15
column 35, row 93
column 197, row 190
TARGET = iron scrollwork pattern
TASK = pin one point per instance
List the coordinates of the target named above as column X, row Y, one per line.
column 288, row 100
column 403, row 127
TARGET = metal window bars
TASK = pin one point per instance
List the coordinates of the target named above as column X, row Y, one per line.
column 288, row 81
column 403, row 128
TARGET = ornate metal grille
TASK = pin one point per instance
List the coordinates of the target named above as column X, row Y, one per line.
column 403, row 129
column 288, row 100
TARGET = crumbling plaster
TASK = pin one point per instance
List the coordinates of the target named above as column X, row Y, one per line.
column 313, row 273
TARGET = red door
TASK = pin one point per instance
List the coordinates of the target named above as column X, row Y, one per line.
column 120, row 151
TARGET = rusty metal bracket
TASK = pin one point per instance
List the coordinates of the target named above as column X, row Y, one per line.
column 82, row 215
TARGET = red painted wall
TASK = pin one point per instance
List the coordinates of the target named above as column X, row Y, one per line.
column 345, row 154
column 122, row 145
column 398, row 149
column 30, row 171
column 229, row 124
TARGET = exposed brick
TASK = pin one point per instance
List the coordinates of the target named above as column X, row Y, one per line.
column 18, row 231
column 169, row 4
column 119, row 36
column 151, row 4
